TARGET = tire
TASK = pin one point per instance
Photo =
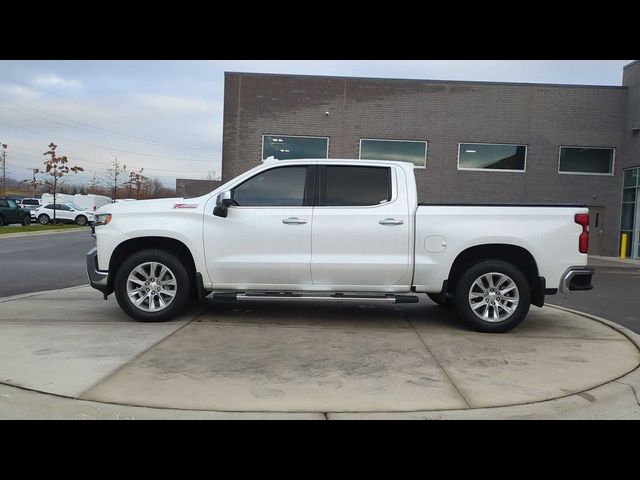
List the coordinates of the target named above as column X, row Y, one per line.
column 26, row 221
column 136, row 269
column 81, row 220
column 441, row 299
column 44, row 219
column 497, row 318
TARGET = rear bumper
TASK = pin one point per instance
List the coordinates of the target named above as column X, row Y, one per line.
column 97, row 278
column 576, row 279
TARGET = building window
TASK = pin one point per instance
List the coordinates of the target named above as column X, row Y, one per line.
column 586, row 160
column 287, row 147
column 502, row 157
column 412, row 151
column 629, row 222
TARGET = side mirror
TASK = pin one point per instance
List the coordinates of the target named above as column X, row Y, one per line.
column 223, row 202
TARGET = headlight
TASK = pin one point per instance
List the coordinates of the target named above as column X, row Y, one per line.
column 102, row 219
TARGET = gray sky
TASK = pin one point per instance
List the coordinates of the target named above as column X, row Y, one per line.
column 166, row 116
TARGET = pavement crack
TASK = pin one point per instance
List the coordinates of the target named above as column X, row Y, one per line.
column 136, row 357
column 633, row 389
column 438, row 363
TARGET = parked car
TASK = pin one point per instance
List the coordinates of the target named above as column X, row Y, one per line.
column 10, row 213
column 65, row 212
column 30, row 204
column 337, row 230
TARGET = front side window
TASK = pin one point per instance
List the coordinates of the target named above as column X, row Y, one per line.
column 12, row 204
column 50, row 207
column 351, row 186
column 3, row 203
column 586, row 160
column 414, row 152
column 285, row 147
column 488, row 156
column 278, row 187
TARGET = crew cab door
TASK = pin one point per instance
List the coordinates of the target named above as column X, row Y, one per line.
column 264, row 242
column 361, row 228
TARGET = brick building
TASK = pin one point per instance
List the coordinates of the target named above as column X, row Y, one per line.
column 476, row 142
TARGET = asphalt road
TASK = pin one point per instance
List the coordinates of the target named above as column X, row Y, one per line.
column 43, row 262
column 46, row 262
column 615, row 295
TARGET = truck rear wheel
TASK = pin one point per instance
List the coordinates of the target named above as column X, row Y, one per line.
column 493, row 296
column 152, row 286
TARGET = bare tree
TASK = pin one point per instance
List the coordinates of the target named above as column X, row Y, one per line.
column 34, row 182
column 212, row 175
column 138, row 183
column 116, row 177
column 56, row 168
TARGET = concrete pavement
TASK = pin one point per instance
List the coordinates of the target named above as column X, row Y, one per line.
column 73, row 355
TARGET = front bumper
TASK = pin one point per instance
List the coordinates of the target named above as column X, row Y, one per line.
column 576, row 279
column 97, row 278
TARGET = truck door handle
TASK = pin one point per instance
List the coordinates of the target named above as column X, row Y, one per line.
column 390, row 221
column 294, row 221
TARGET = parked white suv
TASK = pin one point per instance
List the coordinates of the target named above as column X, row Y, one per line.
column 64, row 212
column 337, row 230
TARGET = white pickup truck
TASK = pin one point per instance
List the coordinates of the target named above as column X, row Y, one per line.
column 337, row 230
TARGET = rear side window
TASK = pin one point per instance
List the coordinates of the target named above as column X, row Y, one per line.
column 355, row 186
column 3, row 203
column 278, row 187
column 30, row 202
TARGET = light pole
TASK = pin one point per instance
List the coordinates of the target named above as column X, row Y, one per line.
column 4, row 169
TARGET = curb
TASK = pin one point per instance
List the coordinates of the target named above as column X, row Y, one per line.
column 37, row 234
column 35, row 294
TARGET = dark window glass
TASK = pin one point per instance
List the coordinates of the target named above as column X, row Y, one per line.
column 586, row 160
column 401, row 151
column 357, row 186
column 631, row 177
column 3, row 203
column 30, row 202
column 629, row 195
column 278, row 187
column 50, row 206
column 62, row 207
column 492, row 157
column 627, row 216
column 12, row 204
column 285, row 148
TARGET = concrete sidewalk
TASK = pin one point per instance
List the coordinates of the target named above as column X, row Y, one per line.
column 70, row 354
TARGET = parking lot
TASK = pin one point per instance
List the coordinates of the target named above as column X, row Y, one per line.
column 43, row 261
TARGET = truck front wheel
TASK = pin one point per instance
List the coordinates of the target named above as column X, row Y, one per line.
column 493, row 296
column 152, row 286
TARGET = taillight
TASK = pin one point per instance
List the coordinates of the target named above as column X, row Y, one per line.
column 583, row 240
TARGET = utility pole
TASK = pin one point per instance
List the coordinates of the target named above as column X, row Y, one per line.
column 34, row 183
column 4, row 169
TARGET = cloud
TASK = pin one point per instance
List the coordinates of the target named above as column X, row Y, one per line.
column 178, row 104
column 55, row 81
